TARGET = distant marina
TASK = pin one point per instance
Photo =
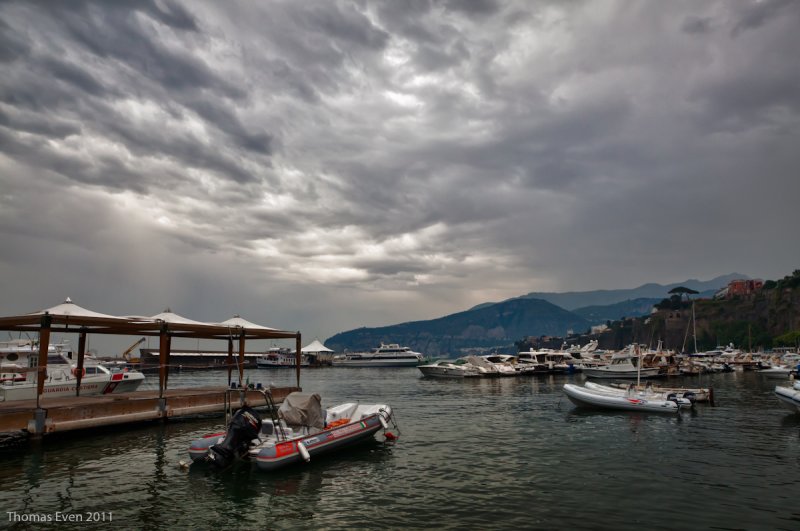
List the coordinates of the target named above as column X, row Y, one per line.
column 493, row 439
column 369, row 415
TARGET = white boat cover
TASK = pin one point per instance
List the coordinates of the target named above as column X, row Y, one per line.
column 302, row 409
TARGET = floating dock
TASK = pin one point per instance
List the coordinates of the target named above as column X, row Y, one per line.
column 55, row 415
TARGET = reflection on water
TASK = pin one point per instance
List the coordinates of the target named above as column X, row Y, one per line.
column 499, row 454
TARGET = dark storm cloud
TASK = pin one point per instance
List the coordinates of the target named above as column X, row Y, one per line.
column 696, row 25
column 473, row 7
column 753, row 15
column 39, row 125
column 75, row 76
column 10, row 47
column 421, row 153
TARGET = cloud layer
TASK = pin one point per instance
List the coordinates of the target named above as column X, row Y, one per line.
column 323, row 165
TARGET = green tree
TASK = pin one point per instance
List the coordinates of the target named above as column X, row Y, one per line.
column 681, row 291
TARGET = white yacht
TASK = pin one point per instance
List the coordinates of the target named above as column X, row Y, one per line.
column 280, row 358
column 459, row 368
column 386, row 355
column 623, row 365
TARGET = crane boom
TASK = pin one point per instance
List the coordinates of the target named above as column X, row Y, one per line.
column 127, row 354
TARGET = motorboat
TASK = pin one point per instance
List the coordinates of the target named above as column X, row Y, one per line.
column 777, row 371
column 586, row 397
column 386, row 355
column 459, row 368
column 695, row 394
column 551, row 360
column 533, row 362
column 295, row 433
column 280, row 358
column 644, row 392
column 18, row 373
column 789, row 396
column 623, row 365
column 494, row 365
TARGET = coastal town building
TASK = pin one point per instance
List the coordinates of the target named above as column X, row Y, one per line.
column 740, row 288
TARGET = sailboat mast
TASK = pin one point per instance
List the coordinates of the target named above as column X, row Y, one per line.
column 694, row 329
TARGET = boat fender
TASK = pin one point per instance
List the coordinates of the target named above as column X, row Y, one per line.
column 690, row 396
column 383, row 422
column 303, row 452
column 75, row 372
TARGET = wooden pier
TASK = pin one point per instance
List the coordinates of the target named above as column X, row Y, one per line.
column 45, row 415
column 56, row 415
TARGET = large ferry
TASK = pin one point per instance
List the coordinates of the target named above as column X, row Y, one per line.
column 386, row 355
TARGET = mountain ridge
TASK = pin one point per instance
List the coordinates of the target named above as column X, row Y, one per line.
column 498, row 324
column 571, row 300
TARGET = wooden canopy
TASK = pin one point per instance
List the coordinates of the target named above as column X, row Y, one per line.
column 71, row 318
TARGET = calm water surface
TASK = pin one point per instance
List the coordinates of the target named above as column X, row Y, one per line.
column 476, row 454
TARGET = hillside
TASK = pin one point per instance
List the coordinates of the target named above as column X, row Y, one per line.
column 760, row 321
column 579, row 299
column 611, row 312
column 488, row 326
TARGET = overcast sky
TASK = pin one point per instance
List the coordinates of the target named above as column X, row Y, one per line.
column 325, row 165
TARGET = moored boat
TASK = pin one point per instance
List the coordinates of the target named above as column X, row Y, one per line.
column 18, row 373
column 386, row 355
column 789, row 396
column 459, row 368
column 299, row 431
column 695, row 394
column 623, row 365
column 494, row 365
column 584, row 397
column 280, row 358
column 641, row 392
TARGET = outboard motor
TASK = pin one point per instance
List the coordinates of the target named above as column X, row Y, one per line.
column 243, row 428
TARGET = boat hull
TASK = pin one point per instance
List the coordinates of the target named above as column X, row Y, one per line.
column 376, row 362
column 585, row 398
column 285, row 453
column 101, row 385
column 789, row 398
column 288, row 453
column 432, row 371
column 645, row 394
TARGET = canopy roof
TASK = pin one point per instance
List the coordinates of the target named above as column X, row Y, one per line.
column 69, row 317
column 244, row 323
column 315, row 346
column 168, row 316
column 70, row 309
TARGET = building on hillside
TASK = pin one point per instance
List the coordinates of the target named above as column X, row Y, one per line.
column 740, row 288
column 598, row 329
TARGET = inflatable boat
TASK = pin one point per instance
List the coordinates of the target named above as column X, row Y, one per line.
column 585, row 397
column 300, row 431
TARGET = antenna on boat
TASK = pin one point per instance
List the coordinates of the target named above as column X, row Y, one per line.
column 638, row 366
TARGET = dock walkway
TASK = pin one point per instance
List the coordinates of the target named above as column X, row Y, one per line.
column 73, row 413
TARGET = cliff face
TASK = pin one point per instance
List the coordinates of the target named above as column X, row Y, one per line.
column 745, row 321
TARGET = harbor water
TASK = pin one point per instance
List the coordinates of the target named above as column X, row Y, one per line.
column 475, row 454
